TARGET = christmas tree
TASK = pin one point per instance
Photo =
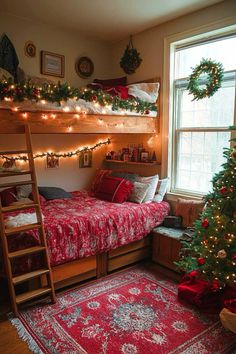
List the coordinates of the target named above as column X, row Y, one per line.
column 212, row 251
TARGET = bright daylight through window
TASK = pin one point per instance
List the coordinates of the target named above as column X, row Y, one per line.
column 200, row 127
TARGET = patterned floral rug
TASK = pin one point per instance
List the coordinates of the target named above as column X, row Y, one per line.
column 132, row 312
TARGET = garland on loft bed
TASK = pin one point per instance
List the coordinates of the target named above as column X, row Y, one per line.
column 215, row 73
column 62, row 92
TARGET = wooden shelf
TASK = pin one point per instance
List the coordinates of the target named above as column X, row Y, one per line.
column 133, row 163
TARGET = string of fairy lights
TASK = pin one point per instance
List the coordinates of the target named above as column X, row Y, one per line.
column 59, row 154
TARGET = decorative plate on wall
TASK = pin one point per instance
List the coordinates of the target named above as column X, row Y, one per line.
column 84, row 67
column 30, row 49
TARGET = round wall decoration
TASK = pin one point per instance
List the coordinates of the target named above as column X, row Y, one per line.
column 215, row 73
column 30, row 49
column 84, row 67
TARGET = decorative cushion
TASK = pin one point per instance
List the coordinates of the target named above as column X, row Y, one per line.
column 23, row 191
column 139, row 192
column 50, row 193
column 22, row 201
column 145, row 91
column 152, row 183
column 120, row 81
column 228, row 319
column 161, row 190
column 132, row 177
column 189, row 210
column 8, row 196
column 98, row 179
column 114, row 189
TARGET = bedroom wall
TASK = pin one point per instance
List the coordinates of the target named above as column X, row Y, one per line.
column 69, row 176
column 71, row 45
column 150, row 43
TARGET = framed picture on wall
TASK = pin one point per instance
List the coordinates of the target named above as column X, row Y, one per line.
column 85, row 159
column 52, row 64
column 52, row 161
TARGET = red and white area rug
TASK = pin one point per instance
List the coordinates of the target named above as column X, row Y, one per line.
column 131, row 312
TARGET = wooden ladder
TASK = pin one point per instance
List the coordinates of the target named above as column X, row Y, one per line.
column 5, row 232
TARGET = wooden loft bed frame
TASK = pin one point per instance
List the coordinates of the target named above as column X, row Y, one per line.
column 42, row 123
column 104, row 263
column 101, row 264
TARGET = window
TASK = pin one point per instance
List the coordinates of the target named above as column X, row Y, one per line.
column 200, row 129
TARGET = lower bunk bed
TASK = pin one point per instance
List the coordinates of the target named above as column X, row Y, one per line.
column 89, row 237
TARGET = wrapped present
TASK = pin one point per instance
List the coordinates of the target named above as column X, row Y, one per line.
column 228, row 319
column 199, row 292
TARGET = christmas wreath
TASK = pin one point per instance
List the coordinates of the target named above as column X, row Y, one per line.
column 214, row 73
column 131, row 59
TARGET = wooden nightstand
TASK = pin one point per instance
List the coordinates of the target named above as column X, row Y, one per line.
column 166, row 246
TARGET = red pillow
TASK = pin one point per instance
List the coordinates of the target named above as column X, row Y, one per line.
column 98, row 178
column 114, row 189
column 120, row 81
column 8, row 196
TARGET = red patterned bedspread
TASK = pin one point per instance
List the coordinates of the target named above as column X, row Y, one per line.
column 84, row 226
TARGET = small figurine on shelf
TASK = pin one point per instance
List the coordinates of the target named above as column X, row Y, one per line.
column 154, row 158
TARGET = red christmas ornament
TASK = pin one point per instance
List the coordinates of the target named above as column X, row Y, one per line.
column 234, row 152
column 226, row 236
column 234, row 257
column 94, row 98
column 223, row 190
column 35, row 92
column 201, row 261
column 18, row 91
column 147, row 111
column 215, row 285
column 205, row 223
column 231, row 189
column 5, row 90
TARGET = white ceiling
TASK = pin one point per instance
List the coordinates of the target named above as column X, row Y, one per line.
column 108, row 20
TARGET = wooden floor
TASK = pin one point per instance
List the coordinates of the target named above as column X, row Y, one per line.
column 10, row 343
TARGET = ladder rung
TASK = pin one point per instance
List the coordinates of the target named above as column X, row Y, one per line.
column 16, row 230
column 27, row 276
column 12, row 152
column 32, row 294
column 9, row 173
column 19, row 207
column 23, row 183
column 26, row 251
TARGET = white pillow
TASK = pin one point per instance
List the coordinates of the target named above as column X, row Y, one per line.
column 145, row 91
column 24, row 191
column 161, row 190
column 152, row 183
column 139, row 192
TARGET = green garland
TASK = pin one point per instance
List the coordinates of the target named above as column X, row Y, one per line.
column 215, row 73
column 62, row 92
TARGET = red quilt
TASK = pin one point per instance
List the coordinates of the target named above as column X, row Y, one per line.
column 84, row 226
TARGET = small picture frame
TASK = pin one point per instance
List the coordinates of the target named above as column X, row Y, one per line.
column 85, row 159
column 52, row 161
column 30, row 49
column 84, row 67
column 52, row 64
column 144, row 156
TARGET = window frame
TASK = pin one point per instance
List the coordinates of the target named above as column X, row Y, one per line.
column 206, row 33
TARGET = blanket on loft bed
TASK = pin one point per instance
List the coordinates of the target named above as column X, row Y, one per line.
column 84, row 226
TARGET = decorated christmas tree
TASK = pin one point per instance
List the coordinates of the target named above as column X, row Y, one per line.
column 212, row 251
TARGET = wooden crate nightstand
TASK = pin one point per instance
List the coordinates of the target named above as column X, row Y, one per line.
column 166, row 246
